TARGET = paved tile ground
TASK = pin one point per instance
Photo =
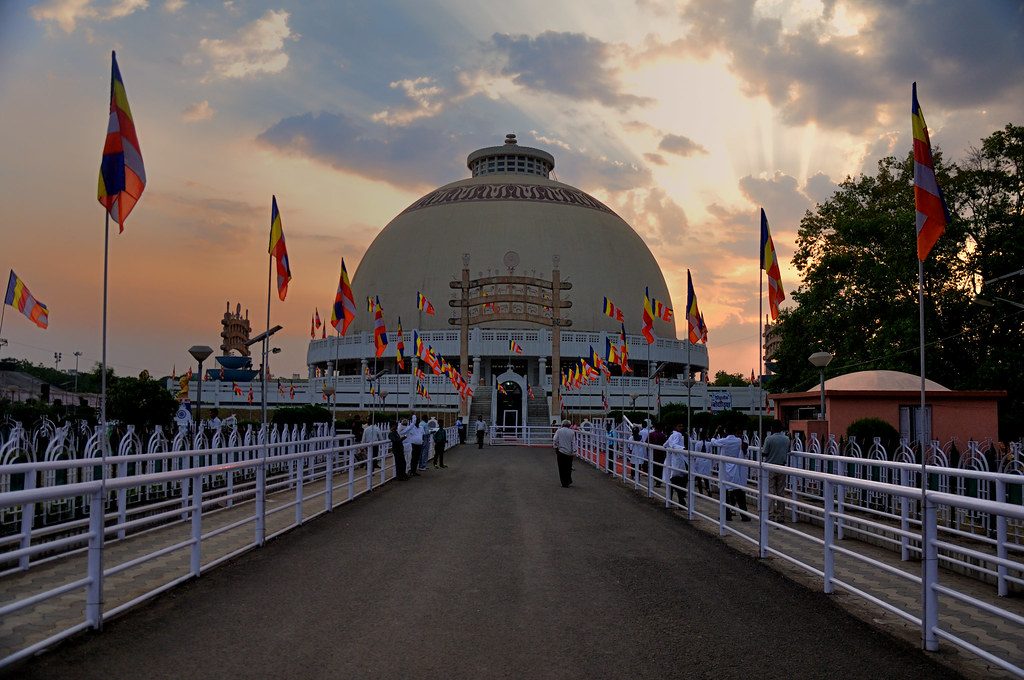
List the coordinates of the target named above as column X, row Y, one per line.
column 36, row 623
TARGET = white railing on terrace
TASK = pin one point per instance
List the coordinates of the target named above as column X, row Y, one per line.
column 853, row 497
column 209, row 491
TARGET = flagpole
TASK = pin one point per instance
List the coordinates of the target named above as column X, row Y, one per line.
column 103, row 364
column 760, row 348
column 266, row 339
column 3, row 312
column 929, row 556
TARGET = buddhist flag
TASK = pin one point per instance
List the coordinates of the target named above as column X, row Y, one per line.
column 19, row 297
column 236, row 389
column 316, row 318
column 312, row 327
column 400, row 347
column 369, row 304
column 514, row 347
column 278, row 250
column 694, row 319
column 661, row 310
column 648, row 326
column 529, row 391
column 380, row 334
column 624, row 351
column 122, row 176
column 423, row 304
column 610, row 353
column 770, row 264
column 344, row 310
column 604, row 401
column 932, row 214
column 612, row 311
column 250, row 394
column 499, row 387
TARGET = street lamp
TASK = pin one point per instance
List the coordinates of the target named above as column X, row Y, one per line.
column 329, row 393
column 988, row 301
column 384, row 404
column 77, row 354
column 821, row 360
column 56, row 360
column 200, row 353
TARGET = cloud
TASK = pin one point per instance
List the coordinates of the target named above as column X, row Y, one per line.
column 681, row 146
column 173, row 6
column 783, row 200
column 222, row 224
column 197, row 111
column 571, row 65
column 426, row 99
column 256, row 49
column 851, row 70
column 67, row 13
column 655, row 159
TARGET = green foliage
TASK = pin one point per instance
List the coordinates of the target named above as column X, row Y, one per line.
column 866, row 429
column 141, row 402
column 857, row 259
column 301, row 415
column 723, row 379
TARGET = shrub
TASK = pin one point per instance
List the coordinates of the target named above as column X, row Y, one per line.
column 866, row 429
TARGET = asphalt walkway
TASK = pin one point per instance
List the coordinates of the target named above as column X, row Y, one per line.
column 489, row 569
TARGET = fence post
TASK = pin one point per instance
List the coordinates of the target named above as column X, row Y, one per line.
column 905, row 516
column 840, row 499
column 929, row 578
column 197, row 524
column 300, row 470
column 689, row 486
column 828, row 505
column 28, row 515
column 261, row 497
column 94, row 591
column 1001, row 540
column 329, row 479
column 762, row 511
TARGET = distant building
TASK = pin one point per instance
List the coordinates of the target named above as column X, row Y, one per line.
column 894, row 397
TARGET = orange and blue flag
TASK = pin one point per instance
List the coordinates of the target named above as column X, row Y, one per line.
column 611, row 310
column 514, row 348
column 423, row 304
column 18, row 296
column 380, row 334
column 279, row 251
column 344, row 311
column 648, row 326
column 694, row 319
column 770, row 264
column 122, row 175
column 932, row 213
column 400, row 347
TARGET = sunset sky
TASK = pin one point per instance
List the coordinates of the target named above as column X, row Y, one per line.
column 683, row 117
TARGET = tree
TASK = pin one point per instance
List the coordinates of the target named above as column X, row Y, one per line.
column 859, row 293
column 141, row 402
column 723, row 379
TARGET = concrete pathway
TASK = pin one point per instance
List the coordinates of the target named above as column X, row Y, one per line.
column 489, row 569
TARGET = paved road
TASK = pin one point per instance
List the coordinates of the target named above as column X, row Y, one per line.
column 489, row 569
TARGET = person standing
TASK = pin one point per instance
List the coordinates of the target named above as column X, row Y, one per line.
column 460, row 429
column 657, row 438
column 734, row 474
column 425, row 451
column 440, row 441
column 776, row 451
column 481, row 430
column 636, row 453
column 414, row 438
column 398, row 451
column 676, row 469
column 565, row 449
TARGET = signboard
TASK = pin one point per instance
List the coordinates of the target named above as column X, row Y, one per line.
column 720, row 401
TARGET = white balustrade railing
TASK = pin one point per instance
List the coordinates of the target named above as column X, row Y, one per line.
column 855, row 497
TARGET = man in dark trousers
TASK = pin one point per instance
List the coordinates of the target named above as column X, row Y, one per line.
column 398, row 451
column 565, row 450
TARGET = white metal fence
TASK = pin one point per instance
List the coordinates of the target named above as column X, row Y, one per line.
column 976, row 531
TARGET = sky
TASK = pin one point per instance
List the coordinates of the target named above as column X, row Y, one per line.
column 685, row 117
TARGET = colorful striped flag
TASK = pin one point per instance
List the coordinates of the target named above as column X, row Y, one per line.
column 932, row 214
column 648, row 325
column 624, row 351
column 694, row 319
column 312, row 327
column 369, row 304
column 529, row 391
column 610, row 353
column 612, row 311
column 316, row 318
column 122, row 175
column 279, row 251
column 604, row 401
column 400, row 347
column 514, row 347
column 499, row 387
column 770, row 264
column 18, row 296
column 423, row 304
column 344, row 310
column 236, row 389
column 380, row 334
column 661, row 310
column 250, row 394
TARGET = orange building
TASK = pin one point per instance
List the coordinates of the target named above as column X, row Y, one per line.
column 894, row 397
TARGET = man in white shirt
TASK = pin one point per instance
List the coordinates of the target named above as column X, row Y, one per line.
column 481, row 430
column 677, row 472
column 565, row 449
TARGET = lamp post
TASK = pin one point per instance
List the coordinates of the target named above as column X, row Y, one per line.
column 200, row 353
column 77, row 354
column 329, row 393
column 56, row 360
column 821, row 360
column 384, row 404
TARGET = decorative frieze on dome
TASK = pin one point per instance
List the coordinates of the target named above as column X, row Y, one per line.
column 539, row 193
